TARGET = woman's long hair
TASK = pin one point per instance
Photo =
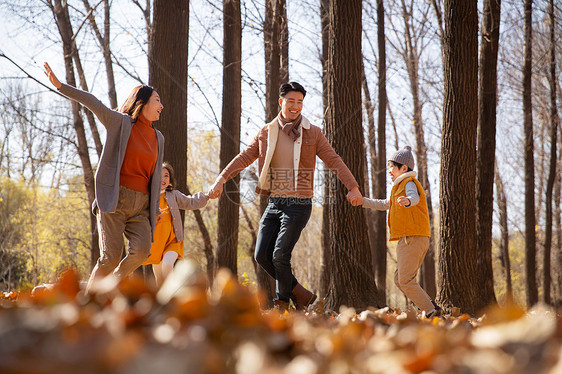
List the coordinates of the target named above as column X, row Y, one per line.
column 170, row 169
column 137, row 99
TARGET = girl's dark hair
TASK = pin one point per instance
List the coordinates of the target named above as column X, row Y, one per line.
column 398, row 165
column 137, row 99
column 170, row 169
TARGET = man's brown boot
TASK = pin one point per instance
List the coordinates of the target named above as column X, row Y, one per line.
column 302, row 297
column 281, row 306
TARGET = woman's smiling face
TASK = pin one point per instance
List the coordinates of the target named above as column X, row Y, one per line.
column 152, row 109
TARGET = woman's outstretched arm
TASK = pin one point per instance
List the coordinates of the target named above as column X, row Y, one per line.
column 107, row 117
column 52, row 77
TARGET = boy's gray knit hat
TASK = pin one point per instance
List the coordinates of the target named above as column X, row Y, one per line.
column 404, row 157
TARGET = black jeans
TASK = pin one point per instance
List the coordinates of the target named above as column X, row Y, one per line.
column 280, row 228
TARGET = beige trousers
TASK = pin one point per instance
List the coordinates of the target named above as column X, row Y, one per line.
column 410, row 253
column 131, row 218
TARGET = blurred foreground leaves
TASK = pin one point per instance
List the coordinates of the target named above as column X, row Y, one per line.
column 183, row 328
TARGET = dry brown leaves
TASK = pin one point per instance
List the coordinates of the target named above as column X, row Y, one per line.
column 183, row 328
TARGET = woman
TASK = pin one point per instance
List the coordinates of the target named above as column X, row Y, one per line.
column 127, row 181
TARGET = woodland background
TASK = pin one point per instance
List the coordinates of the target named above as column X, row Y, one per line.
column 379, row 75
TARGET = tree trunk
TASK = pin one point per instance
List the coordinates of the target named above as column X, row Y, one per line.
column 371, row 174
column 276, row 53
column 486, row 155
column 458, row 259
column 539, row 133
column 266, row 283
column 88, row 113
column 412, row 56
column 439, row 16
column 82, row 77
column 530, row 238
column 103, row 40
column 229, row 202
column 327, row 177
column 351, row 280
column 553, row 157
column 168, row 75
column 284, row 24
column 380, row 186
column 65, row 29
column 371, row 137
column 393, row 121
column 208, row 246
column 272, row 45
column 253, row 235
column 504, row 235
column 558, row 230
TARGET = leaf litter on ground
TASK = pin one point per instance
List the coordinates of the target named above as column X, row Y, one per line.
column 184, row 327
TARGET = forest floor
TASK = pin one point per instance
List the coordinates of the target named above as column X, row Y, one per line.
column 185, row 328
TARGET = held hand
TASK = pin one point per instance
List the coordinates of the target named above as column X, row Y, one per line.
column 354, row 197
column 216, row 189
column 403, row 201
column 52, row 77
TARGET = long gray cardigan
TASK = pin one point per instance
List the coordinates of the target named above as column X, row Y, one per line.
column 118, row 126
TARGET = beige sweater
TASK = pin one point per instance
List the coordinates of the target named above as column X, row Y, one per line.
column 310, row 144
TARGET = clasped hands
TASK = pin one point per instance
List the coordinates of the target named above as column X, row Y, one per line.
column 215, row 190
column 353, row 196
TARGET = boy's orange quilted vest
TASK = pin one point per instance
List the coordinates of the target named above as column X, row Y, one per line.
column 411, row 221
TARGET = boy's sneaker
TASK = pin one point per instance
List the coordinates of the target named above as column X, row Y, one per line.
column 438, row 312
column 435, row 313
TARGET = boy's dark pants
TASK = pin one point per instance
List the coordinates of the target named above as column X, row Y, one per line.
column 280, row 228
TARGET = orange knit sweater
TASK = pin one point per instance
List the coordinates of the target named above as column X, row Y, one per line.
column 140, row 156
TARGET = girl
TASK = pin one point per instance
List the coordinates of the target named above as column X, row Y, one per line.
column 127, row 181
column 168, row 236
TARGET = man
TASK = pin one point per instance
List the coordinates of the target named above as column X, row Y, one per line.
column 287, row 148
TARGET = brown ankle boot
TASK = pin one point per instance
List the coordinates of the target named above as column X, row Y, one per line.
column 281, row 306
column 302, row 297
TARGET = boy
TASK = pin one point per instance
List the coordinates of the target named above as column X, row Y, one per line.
column 408, row 222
